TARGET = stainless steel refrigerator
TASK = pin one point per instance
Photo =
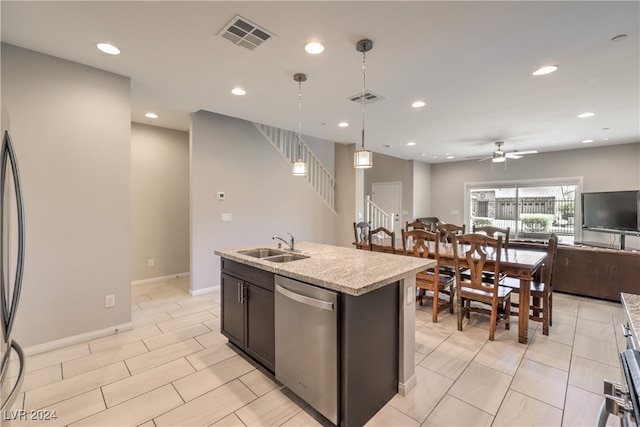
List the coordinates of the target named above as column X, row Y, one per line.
column 12, row 239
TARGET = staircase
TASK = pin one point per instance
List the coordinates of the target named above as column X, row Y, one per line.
column 286, row 142
column 377, row 217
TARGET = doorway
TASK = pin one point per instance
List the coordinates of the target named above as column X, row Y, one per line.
column 388, row 196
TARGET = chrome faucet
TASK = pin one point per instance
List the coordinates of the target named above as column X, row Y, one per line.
column 291, row 244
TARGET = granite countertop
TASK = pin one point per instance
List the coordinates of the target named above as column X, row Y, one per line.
column 347, row 270
column 631, row 304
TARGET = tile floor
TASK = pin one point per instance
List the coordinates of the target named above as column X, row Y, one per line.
column 174, row 368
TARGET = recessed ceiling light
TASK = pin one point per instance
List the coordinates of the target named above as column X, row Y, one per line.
column 586, row 115
column 418, row 104
column 547, row 69
column 238, row 91
column 587, row 141
column 108, row 48
column 410, row 144
column 450, row 157
column 343, row 124
column 314, row 48
column 151, row 115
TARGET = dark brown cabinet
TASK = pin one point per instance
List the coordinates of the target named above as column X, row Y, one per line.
column 248, row 310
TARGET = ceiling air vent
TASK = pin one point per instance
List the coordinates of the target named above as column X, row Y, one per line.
column 245, row 33
column 369, row 98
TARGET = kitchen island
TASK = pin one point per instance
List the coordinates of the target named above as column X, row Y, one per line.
column 375, row 309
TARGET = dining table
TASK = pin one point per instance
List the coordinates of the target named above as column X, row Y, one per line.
column 517, row 262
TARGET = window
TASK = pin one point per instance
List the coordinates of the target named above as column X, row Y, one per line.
column 532, row 210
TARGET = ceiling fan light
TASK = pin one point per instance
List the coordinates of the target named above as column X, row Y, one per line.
column 499, row 159
column 362, row 159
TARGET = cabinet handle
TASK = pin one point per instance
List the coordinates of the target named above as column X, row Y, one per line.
column 238, row 292
column 242, row 298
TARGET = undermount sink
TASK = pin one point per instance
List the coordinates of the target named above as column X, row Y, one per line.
column 262, row 253
column 273, row 255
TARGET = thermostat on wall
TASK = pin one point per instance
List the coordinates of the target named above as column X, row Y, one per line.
column 220, row 195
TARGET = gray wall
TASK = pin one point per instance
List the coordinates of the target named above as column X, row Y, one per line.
column 71, row 127
column 421, row 189
column 160, row 201
column 602, row 168
column 391, row 169
column 345, row 202
column 263, row 197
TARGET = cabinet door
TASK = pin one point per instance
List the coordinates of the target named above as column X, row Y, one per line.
column 232, row 325
column 260, row 338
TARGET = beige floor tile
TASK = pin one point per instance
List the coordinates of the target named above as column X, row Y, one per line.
column 155, row 306
column 166, row 339
column 41, row 377
column 210, row 356
column 307, row 418
column 481, row 387
column 603, row 351
column 190, row 309
column 62, row 390
column 520, row 410
column 549, row 353
column 200, row 382
column 594, row 329
column 470, row 338
column 211, row 339
column 541, row 382
column 418, row 357
column 566, row 302
column 582, row 408
column 272, row 409
column 231, row 420
column 563, row 334
column 390, row 416
column 213, row 324
column 136, row 411
column 562, row 317
column 501, row 356
column 42, row 360
column 589, row 375
column 135, row 299
column 69, row 411
column 124, row 337
column 595, row 313
column 419, row 403
column 448, row 359
column 172, row 325
column 209, row 408
column 258, row 382
column 427, row 339
column 102, row 358
column 136, row 385
column 162, row 355
column 454, row 412
column 141, row 318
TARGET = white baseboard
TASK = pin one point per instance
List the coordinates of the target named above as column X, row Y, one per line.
column 77, row 339
column 196, row 292
column 406, row 387
column 161, row 278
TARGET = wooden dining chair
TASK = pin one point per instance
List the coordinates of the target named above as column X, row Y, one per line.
column 493, row 299
column 430, row 283
column 541, row 305
column 417, row 225
column 382, row 240
column 361, row 233
column 448, row 230
column 493, row 231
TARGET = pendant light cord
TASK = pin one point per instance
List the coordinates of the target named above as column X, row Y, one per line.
column 364, row 78
column 299, row 119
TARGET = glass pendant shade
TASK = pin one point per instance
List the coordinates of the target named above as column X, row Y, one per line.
column 363, row 159
column 300, row 168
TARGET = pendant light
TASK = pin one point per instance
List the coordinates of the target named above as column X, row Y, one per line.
column 299, row 167
column 363, row 159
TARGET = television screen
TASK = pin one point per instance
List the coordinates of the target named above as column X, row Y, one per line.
column 616, row 210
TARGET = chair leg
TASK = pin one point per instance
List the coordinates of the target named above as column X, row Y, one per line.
column 545, row 315
column 494, row 320
column 451, row 297
column 507, row 312
column 434, row 316
column 460, row 312
column 550, row 296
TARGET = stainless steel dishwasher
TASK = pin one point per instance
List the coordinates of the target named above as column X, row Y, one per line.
column 306, row 333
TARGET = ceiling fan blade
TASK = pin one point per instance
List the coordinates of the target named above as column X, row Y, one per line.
column 485, row 158
column 522, row 153
column 513, row 156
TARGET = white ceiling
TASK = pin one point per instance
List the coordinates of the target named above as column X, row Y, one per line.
column 470, row 61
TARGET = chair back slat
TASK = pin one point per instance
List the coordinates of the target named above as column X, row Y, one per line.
column 476, row 249
column 492, row 231
column 377, row 243
column 447, row 231
column 414, row 242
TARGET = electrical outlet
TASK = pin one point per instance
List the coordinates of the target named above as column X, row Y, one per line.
column 109, row 301
column 151, row 262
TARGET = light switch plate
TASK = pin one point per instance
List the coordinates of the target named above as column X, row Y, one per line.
column 225, row 217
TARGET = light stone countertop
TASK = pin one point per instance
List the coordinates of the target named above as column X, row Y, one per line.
column 347, row 270
column 631, row 305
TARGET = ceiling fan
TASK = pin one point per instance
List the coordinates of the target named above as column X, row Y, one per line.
column 499, row 155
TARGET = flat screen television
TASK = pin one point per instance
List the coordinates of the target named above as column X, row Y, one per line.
column 614, row 210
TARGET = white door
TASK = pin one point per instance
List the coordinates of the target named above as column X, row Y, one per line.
column 388, row 196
